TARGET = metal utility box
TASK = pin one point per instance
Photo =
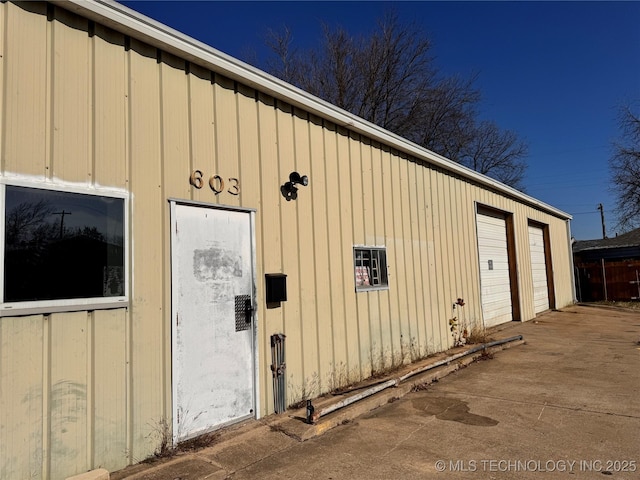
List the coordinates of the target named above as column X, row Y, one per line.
column 275, row 287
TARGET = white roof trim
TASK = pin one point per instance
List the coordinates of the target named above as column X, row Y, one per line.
column 136, row 25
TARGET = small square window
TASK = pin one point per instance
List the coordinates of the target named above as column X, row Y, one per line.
column 62, row 250
column 370, row 268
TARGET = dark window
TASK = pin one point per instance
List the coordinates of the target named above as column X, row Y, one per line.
column 370, row 267
column 61, row 245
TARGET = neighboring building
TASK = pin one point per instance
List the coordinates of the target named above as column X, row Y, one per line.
column 161, row 172
column 608, row 269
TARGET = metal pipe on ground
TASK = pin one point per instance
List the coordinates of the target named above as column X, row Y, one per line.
column 315, row 415
column 450, row 359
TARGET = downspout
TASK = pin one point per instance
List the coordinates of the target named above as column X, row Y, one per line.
column 572, row 265
column 313, row 416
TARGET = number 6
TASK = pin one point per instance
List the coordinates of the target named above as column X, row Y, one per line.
column 196, row 179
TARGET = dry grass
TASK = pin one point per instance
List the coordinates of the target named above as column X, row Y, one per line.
column 167, row 450
column 478, row 335
column 198, row 443
column 629, row 305
column 419, row 387
column 298, row 405
column 484, row 356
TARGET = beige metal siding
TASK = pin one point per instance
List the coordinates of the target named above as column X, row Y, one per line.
column 338, row 339
column 109, row 149
column 391, row 348
column 85, row 105
column 26, row 88
column 22, row 348
column 109, row 392
column 148, row 219
column 72, row 119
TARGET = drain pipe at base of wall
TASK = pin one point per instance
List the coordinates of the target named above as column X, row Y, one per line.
column 313, row 416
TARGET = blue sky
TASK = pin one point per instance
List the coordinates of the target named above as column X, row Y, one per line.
column 554, row 72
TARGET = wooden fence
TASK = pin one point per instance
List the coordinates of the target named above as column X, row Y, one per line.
column 608, row 280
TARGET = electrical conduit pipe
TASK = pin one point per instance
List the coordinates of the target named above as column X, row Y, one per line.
column 314, row 416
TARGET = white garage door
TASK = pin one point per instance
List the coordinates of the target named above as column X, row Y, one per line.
column 494, row 270
column 538, row 269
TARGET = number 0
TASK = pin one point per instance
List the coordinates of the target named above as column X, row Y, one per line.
column 216, row 183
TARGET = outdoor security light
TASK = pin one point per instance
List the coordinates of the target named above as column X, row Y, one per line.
column 295, row 178
column 289, row 189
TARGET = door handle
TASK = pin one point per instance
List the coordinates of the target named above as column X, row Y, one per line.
column 248, row 310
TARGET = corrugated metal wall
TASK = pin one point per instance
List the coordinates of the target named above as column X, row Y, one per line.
column 83, row 104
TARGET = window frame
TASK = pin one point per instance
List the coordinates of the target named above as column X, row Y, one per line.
column 371, row 249
column 34, row 307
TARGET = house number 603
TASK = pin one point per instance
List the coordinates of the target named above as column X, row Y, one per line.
column 216, row 183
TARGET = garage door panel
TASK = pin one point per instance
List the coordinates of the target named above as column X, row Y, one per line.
column 494, row 270
column 538, row 269
column 500, row 312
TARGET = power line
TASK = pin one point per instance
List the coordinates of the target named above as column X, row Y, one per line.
column 572, row 173
column 570, row 150
column 573, row 205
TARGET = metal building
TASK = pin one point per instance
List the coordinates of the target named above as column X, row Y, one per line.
column 158, row 237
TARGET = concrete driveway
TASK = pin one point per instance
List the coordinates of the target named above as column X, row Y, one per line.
column 566, row 404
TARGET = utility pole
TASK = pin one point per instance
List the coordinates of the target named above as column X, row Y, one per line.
column 62, row 214
column 604, row 232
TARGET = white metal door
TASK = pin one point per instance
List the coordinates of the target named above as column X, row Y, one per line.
column 538, row 270
column 494, row 270
column 213, row 343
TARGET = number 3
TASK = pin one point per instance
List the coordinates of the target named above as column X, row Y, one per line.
column 234, row 189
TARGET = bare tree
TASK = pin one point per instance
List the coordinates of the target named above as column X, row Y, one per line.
column 445, row 121
column 26, row 221
column 389, row 78
column 625, row 168
column 496, row 153
column 285, row 63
